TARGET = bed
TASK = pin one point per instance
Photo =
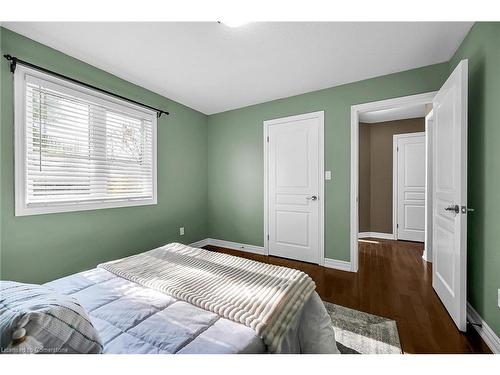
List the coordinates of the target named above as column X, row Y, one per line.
column 134, row 318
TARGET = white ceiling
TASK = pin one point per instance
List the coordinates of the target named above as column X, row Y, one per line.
column 393, row 114
column 213, row 68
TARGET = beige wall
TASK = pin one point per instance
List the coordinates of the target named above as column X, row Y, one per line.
column 375, row 171
column 364, row 178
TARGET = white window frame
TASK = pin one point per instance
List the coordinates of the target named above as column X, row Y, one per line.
column 20, row 144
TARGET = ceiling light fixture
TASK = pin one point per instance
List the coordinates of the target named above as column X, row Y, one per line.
column 234, row 23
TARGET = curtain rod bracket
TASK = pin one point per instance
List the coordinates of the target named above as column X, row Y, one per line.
column 159, row 113
column 14, row 61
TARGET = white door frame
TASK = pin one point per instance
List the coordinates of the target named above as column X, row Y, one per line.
column 395, row 169
column 429, row 138
column 321, row 178
column 356, row 111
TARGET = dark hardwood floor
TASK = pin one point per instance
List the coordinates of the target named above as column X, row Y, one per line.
column 395, row 282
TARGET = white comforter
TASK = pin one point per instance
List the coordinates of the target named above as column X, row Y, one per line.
column 134, row 319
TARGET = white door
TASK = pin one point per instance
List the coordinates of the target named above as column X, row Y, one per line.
column 410, row 186
column 449, row 242
column 295, row 187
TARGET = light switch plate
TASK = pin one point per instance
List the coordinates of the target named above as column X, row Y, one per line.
column 181, row 231
column 328, row 175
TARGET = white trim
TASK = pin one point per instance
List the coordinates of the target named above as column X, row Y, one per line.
column 341, row 265
column 395, row 177
column 429, row 136
column 380, row 235
column 395, row 186
column 485, row 331
column 238, row 246
column 201, row 243
column 328, row 263
column 21, row 76
column 321, row 182
column 230, row 245
column 356, row 110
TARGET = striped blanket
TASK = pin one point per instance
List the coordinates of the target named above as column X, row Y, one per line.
column 261, row 296
column 36, row 319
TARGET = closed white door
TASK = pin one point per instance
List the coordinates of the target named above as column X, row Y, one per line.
column 410, row 186
column 295, row 186
column 449, row 242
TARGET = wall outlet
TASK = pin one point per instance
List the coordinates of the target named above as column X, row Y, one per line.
column 328, row 175
column 181, row 231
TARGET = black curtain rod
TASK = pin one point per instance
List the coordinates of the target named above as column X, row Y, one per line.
column 14, row 61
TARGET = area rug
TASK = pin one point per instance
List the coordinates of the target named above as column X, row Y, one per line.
column 358, row 332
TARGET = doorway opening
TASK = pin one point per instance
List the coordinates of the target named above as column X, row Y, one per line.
column 389, row 168
column 392, row 175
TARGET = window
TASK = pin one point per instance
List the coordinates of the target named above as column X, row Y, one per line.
column 78, row 149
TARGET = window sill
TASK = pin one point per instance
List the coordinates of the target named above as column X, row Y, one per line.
column 22, row 210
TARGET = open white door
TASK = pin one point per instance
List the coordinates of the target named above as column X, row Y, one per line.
column 449, row 256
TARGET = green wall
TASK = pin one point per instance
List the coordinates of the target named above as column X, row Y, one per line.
column 235, row 155
column 224, row 199
column 42, row 247
column 482, row 48
column 1, row 167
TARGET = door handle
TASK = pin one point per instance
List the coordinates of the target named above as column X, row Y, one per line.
column 312, row 197
column 455, row 208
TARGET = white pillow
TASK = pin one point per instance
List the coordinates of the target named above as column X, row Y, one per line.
column 34, row 318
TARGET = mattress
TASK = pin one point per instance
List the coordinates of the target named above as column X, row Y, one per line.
column 134, row 319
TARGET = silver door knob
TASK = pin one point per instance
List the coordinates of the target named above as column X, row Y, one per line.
column 454, row 208
column 312, row 197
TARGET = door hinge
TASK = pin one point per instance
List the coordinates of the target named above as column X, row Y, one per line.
column 397, row 148
column 268, row 138
column 268, row 237
column 397, row 225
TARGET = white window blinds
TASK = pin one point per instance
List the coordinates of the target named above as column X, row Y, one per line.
column 82, row 149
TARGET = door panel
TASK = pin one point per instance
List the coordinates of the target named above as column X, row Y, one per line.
column 293, row 165
column 411, row 186
column 285, row 221
column 414, row 217
column 449, row 248
column 292, row 148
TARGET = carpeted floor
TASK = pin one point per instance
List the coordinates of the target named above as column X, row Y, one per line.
column 358, row 332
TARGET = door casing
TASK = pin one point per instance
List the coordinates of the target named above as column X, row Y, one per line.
column 320, row 115
column 429, row 137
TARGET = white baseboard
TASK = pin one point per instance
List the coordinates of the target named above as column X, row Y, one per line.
column 230, row 245
column 425, row 256
column 200, row 243
column 329, row 263
column 485, row 331
column 383, row 236
column 237, row 246
column 338, row 264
